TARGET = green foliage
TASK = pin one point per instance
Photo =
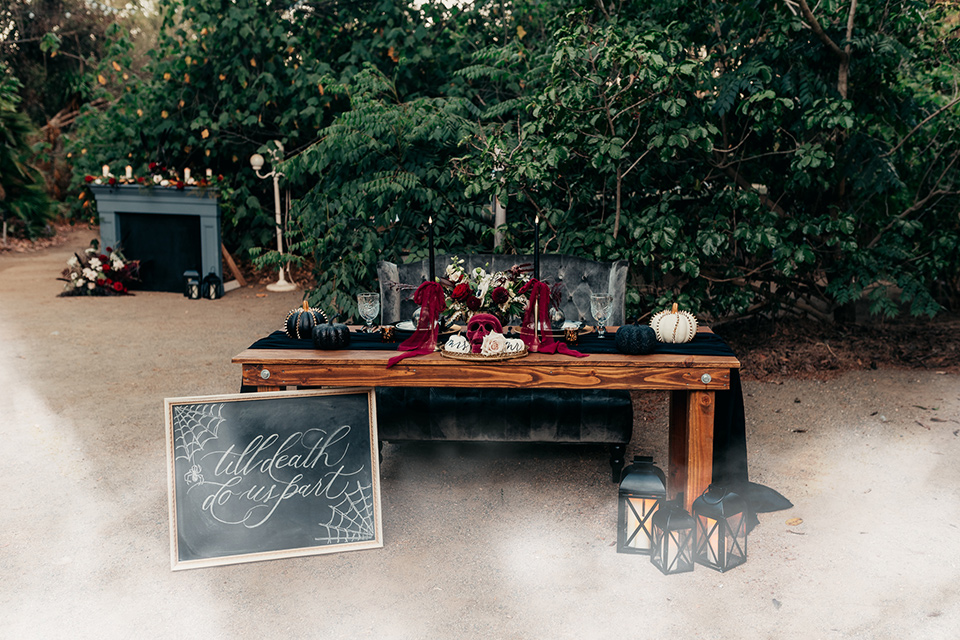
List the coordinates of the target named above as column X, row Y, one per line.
column 383, row 169
column 24, row 205
column 738, row 159
column 713, row 147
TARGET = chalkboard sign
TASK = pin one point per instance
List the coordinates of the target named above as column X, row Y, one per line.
column 258, row 476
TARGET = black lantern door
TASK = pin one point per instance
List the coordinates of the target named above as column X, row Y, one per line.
column 643, row 489
column 191, row 285
column 720, row 518
column 672, row 546
column 212, row 287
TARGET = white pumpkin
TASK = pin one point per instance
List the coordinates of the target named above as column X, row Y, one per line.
column 515, row 345
column 674, row 326
column 457, row 344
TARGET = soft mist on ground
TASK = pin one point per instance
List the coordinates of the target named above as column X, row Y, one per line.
column 480, row 541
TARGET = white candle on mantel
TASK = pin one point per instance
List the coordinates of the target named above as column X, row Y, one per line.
column 129, row 172
column 106, row 171
column 209, row 173
column 186, row 175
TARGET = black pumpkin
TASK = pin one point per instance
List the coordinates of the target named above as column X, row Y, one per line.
column 331, row 336
column 635, row 339
column 301, row 321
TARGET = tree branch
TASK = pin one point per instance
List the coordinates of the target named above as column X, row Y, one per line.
column 920, row 126
column 817, row 29
column 844, row 54
column 746, row 186
column 916, row 206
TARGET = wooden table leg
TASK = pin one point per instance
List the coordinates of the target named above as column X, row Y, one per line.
column 691, row 444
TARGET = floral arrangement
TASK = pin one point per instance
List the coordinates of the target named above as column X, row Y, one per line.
column 477, row 291
column 99, row 274
column 160, row 176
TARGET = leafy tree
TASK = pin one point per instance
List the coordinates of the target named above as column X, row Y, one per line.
column 23, row 200
column 384, row 173
column 228, row 79
column 740, row 158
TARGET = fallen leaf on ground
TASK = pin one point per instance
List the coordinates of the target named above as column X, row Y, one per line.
column 794, row 522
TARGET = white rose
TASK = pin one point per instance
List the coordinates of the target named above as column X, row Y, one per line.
column 95, row 262
column 89, row 273
column 91, row 285
column 73, row 262
column 157, row 179
column 117, row 265
column 493, row 344
column 79, row 283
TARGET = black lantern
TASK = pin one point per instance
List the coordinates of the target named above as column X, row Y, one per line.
column 643, row 489
column 212, row 287
column 672, row 546
column 721, row 524
column 191, row 285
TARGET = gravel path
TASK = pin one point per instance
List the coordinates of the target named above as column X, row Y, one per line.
column 490, row 542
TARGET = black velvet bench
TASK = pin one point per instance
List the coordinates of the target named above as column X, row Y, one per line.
column 510, row 415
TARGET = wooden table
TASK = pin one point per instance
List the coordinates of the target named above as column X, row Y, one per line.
column 693, row 381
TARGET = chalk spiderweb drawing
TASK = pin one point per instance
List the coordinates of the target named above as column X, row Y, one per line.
column 352, row 519
column 193, row 426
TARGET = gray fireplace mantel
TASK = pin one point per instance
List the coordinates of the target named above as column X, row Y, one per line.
column 114, row 202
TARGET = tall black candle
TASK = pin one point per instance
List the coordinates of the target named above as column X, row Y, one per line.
column 536, row 248
column 433, row 266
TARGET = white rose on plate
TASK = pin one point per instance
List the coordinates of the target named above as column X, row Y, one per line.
column 493, row 344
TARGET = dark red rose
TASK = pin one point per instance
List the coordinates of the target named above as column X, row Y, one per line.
column 118, row 286
column 473, row 303
column 89, row 178
column 499, row 295
column 112, row 181
column 109, row 249
column 181, row 184
column 104, row 259
column 153, row 166
column 141, row 179
column 461, row 292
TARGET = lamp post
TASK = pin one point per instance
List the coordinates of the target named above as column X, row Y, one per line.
column 256, row 161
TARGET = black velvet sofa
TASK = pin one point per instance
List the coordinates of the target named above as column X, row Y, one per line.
column 510, row 415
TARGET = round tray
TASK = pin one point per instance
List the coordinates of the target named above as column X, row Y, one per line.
column 479, row 357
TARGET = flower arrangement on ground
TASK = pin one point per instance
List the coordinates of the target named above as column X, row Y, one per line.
column 477, row 291
column 93, row 273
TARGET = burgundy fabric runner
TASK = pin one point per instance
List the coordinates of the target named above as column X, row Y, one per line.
column 429, row 296
column 536, row 331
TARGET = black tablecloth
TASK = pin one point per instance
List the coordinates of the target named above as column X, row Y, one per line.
column 729, row 430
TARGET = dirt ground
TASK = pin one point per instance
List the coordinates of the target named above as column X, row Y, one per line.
column 859, row 429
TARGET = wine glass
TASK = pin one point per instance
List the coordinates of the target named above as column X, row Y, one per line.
column 369, row 306
column 601, row 304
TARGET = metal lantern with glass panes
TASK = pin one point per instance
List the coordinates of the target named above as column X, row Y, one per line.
column 212, row 287
column 672, row 547
column 720, row 518
column 643, row 489
column 191, row 285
